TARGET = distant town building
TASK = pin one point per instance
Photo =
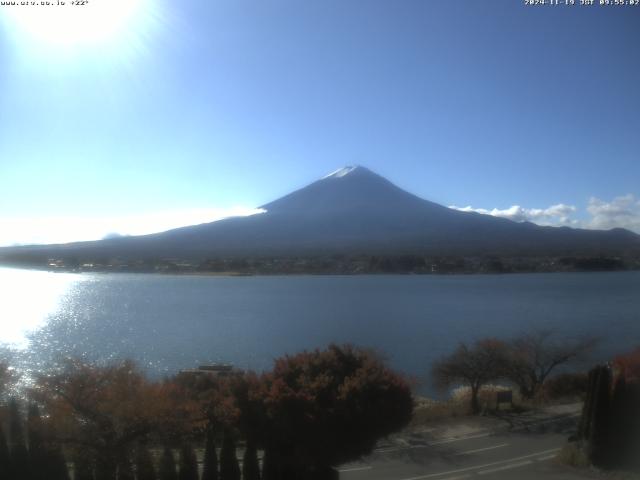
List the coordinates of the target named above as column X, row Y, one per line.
column 214, row 370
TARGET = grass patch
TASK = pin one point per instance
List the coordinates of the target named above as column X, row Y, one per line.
column 573, row 456
column 428, row 411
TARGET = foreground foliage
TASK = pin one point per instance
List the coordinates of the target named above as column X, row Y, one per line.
column 315, row 410
column 329, row 407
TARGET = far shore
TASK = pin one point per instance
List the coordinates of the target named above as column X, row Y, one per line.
column 300, row 272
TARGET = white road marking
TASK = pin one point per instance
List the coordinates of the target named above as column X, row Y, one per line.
column 459, row 439
column 476, row 467
column 548, row 457
column 505, row 467
column 482, row 449
column 398, row 449
column 385, row 450
column 425, row 430
column 355, row 469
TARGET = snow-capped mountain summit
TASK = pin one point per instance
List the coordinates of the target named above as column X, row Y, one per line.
column 341, row 172
column 351, row 210
column 350, row 188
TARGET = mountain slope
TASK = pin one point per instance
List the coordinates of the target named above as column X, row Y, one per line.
column 352, row 210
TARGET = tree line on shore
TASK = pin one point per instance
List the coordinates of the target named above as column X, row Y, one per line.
column 344, row 264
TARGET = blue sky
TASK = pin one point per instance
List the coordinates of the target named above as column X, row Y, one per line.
column 183, row 111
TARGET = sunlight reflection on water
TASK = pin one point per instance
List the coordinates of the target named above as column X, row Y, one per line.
column 167, row 323
column 28, row 298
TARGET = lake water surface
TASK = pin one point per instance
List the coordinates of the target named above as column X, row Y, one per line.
column 171, row 322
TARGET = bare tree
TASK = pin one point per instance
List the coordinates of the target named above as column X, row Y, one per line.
column 533, row 356
column 472, row 366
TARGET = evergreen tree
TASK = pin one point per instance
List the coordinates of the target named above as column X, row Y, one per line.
column 188, row 463
column 269, row 466
column 584, row 426
column 57, row 464
column 125, row 472
column 82, row 467
column 106, row 466
column 229, row 468
column 47, row 460
column 599, row 441
column 210, row 469
column 144, row 465
column 19, row 464
column 250, row 465
column 38, row 455
column 618, row 422
column 5, row 458
column 168, row 466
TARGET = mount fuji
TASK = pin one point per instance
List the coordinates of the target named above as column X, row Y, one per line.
column 350, row 211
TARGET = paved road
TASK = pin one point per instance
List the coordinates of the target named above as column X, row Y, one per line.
column 522, row 455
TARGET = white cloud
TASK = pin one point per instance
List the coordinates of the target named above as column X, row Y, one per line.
column 621, row 212
column 559, row 214
column 23, row 231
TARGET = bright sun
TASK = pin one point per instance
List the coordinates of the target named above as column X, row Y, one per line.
column 67, row 23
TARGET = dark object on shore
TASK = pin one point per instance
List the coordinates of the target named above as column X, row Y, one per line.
column 504, row 397
column 609, row 430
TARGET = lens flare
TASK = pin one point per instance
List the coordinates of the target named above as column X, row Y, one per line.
column 64, row 24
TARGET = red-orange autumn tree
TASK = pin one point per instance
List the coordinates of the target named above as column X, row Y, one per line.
column 327, row 407
column 628, row 366
column 104, row 411
column 313, row 411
